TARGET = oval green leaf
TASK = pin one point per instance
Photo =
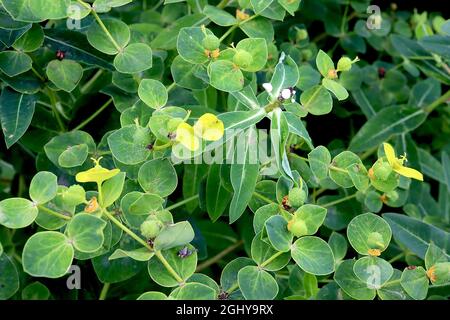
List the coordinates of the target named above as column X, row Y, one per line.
column 17, row 213
column 313, row 255
column 47, row 254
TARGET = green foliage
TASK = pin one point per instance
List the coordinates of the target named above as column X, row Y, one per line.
column 64, row 74
column 47, row 254
column 153, row 93
column 179, row 150
column 85, row 232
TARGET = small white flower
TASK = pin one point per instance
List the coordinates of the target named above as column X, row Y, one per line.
column 293, row 100
column 286, row 94
column 268, row 87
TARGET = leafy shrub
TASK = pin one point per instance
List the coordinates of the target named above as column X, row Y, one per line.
column 173, row 158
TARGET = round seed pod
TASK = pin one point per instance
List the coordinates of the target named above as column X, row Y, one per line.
column 297, row 227
column 211, row 42
column 297, row 197
column 344, row 64
column 382, row 170
column 242, row 58
column 302, row 34
column 150, row 228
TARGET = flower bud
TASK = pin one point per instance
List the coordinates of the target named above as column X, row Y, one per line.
column 302, row 34
column 242, row 58
column 297, row 197
column 211, row 42
column 151, row 228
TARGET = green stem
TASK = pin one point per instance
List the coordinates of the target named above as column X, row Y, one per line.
column 163, row 146
column 331, row 167
column 157, row 5
column 53, row 213
column 22, row 186
column 321, row 36
column 233, row 288
column 169, row 267
column 181, row 203
column 397, row 257
column 170, row 87
column 95, row 114
column 231, row 29
column 17, row 257
column 87, row 86
column 421, row 58
column 318, row 192
column 38, row 74
column 28, row 151
column 344, row 20
column 273, row 257
column 325, row 280
column 337, row 169
column 368, row 153
column 437, row 102
column 219, row 256
column 392, row 282
column 272, row 106
column 299, row 157
column 102, row 153
column 126, row 230
column 330, row 52
column 332, row 203
column 53, row 103
column 145, row 244
column 258, row 195
column 222, row 4
column 100, row 194
column 101, row 24
column 104, row 291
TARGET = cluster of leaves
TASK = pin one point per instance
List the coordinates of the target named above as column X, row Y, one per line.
column 179, row 79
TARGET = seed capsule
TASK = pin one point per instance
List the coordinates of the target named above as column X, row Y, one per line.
column 297, row 197
column 382, row 170
column 211, row 42
column 297, row 227
column 151, row 228
column 242, row 58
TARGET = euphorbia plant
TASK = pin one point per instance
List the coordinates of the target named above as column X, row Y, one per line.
column 162, row 147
